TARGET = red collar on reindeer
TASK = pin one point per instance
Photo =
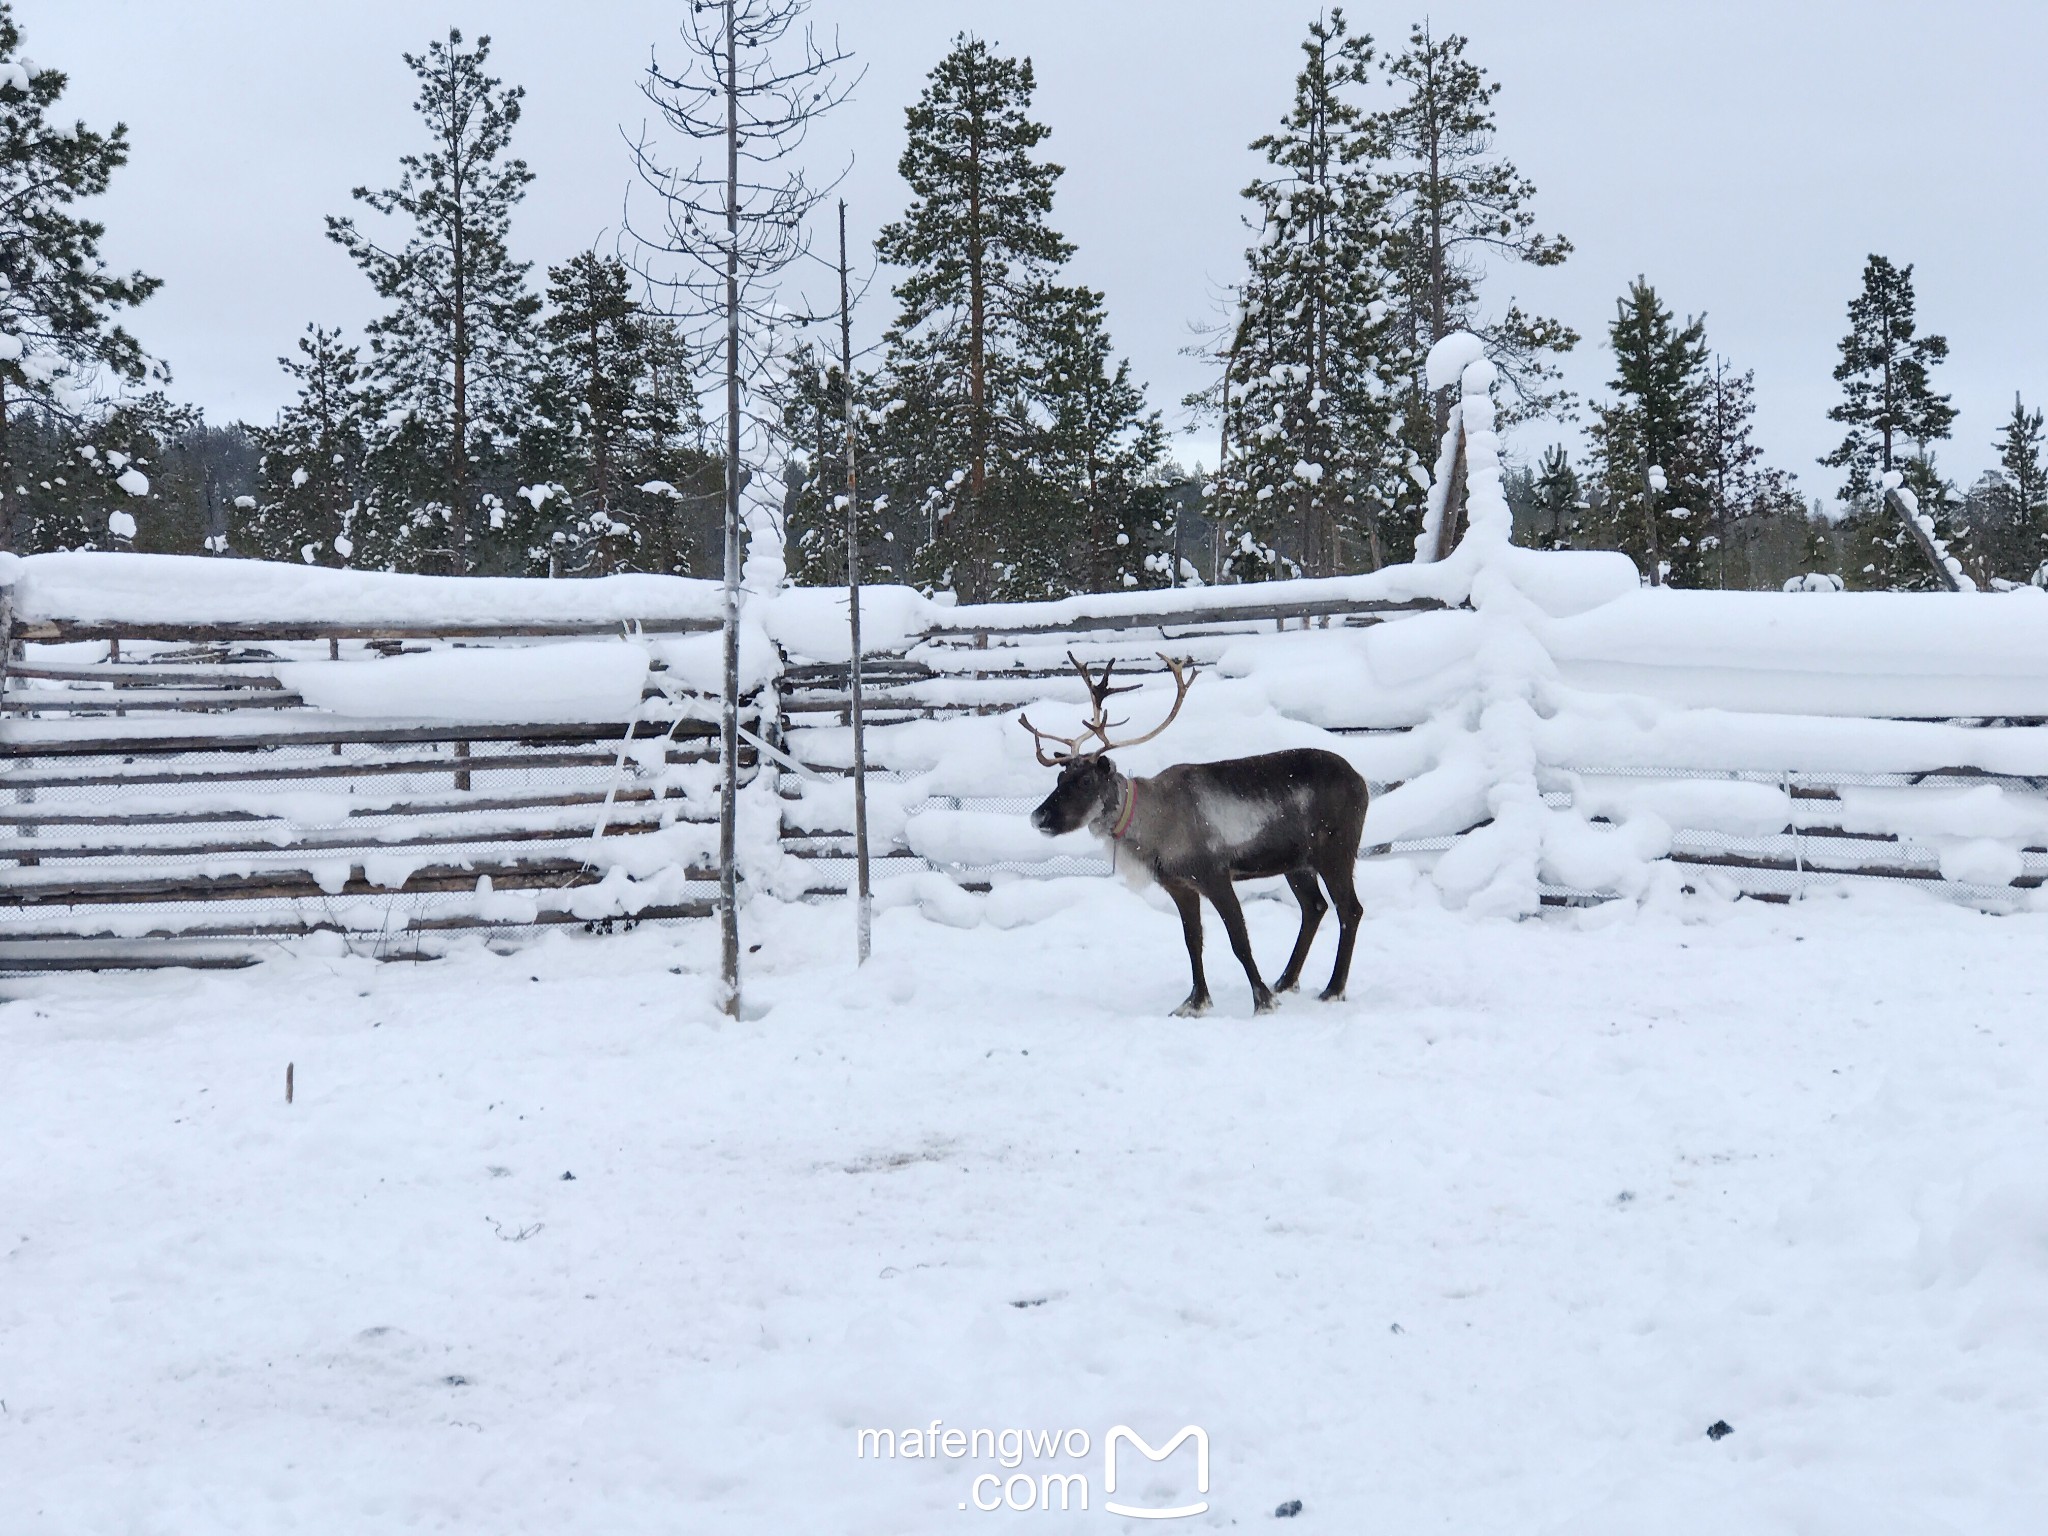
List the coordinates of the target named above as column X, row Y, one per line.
column 1122, row 824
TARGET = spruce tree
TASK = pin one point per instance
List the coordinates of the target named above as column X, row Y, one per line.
column 1557, row 501
column 814, row 431
column 1318, row 463
column 315, row 500
column 1887, row 397
column 1652, row 430
column 1455, row 205
column 57, row 298
column 96, row 480
column 1100, row 456
column 981, row 308
column 2024, row 482
column 1737, row 486
column 604, row 422
column 452, row 352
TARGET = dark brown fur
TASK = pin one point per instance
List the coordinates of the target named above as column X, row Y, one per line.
column 1199, row 827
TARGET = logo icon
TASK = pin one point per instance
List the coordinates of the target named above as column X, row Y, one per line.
column 1142, row 1512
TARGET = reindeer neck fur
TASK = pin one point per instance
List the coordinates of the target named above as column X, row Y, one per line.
column 1121, row 820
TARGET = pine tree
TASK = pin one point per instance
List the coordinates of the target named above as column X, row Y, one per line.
column 980, row 307
column 1887, row 398
column 57, row 297
column 1653, row 430
column 1101, row 455
column 2024, row 482
column 1314, row 416
column 606, row 420
column 93, row 480
column 1454, row 205
column 1738, row 486
column 813, row 507
column 1557, row 503
column 452, row 350
column 316, row 502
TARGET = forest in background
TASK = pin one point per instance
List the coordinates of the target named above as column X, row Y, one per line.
column 485, row 417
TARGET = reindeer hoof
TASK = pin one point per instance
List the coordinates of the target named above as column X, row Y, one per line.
column 1330, row 995
column 1193, row 1008
column 1287, row 984
column 1265, row 1003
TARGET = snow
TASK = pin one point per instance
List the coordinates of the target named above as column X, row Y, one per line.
column 578, row 681
column 1450, row 357
column 173, row 589
column 1486, row 1248
column 133, row 481
column 1860, row 653
column 121, row 525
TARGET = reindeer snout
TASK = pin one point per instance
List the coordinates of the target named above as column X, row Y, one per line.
column 1040, row 820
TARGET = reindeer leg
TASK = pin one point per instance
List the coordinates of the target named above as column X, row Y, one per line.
column 1189, row 900
column 1338, row 876
column 1223, row 896
column 1303, row 883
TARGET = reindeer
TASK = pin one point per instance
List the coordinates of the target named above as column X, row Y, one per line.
column 1198, row 827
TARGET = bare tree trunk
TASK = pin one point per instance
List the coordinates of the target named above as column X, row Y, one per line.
column 864, row 898
column 1650, row 515
column 601, row 461
column 729, row 712
column 977, row 364
column 458, row 460
column 7, row 535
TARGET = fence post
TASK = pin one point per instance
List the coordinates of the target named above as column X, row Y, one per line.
column 1454, row 494
column 1650, row 523
column 864, row 898
column 24, row 796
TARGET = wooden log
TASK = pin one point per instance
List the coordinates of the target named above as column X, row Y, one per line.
column 1923, row 541
column 300, row 929
column 396, row 808
column 46, row 631
column 147, row 675
column 198, row 778
column 1804, row 865
column 1235, row 614
column 297, row 884
column 50, row 701
column 1453, row 512
column 322, row 842
column 346, row 735
column 132, row 960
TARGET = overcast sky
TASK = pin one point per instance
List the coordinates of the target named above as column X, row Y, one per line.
column 1745, row 157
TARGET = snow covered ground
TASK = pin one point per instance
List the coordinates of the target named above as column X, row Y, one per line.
column 1486, row 1248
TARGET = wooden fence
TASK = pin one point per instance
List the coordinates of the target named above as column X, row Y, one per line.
column 168, row 798
column 991, row 660
column 1821, row 820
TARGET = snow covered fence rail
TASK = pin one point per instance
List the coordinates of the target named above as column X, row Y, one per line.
column 1538, row 729
column 201, row 757
column 951, row 788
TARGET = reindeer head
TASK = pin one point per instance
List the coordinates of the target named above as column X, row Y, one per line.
column 1088, row 786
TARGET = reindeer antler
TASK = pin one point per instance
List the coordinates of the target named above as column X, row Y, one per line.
column 1099, row 725
column 1182, row 681
column 1099, row 695
column 1071, row 743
